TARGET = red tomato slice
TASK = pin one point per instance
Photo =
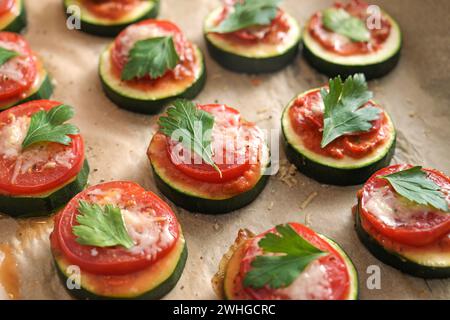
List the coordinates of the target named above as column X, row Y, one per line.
column 146, row 29
column 340, row 44
column 306, row 116
column 41, row 167
column 19, row 73
column 226, row 118
column 110, row 9
column 5, row 6
column 333, row 265
column 159, row 227
column 411, row 224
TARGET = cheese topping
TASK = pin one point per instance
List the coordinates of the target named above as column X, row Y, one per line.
column 396, row 211
column 151, row 234
column 37, row 157
column 312, row 284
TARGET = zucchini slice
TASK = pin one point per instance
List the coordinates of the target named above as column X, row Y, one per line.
column 47, row 203
column 343, row 172
column 41, row 89
column 103, row 27
column 373, row 65
column 148, row 102
column 416, row 262
column 16, row 19
column 255, row 58
column 151, row 284
column 231, row 263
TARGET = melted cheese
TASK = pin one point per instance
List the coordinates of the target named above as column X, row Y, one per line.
column 11, row 138
column 396, row 211
column 150, row 234
column 312, row 284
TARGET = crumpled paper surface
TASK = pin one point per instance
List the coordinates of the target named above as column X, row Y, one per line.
column 416, row 94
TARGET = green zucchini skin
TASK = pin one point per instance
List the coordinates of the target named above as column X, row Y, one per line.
column 155, row 294
column 209, row 206
column 20, row 23
column 396, row 260
column 33, row 207
column 152, row 106
column 335, row 176
column 242, row 64
column 44, row 92
column 371, row 71
column 113, row 30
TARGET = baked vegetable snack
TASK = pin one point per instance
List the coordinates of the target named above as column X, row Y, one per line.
column 208, row 159
column 337, row 134
column 288, row 262
column 107, row 18
column 352, row 38
column 149, row 64
column 403, row 219
column 126, row 242
column 252, row 36
column 42, row 160
column 13, row 16
column 22, row 75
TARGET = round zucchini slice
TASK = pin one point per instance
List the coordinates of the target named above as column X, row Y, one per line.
column 230, row 267
column 422, row 263
column 16, row 19
column 252, row 58
column 343, row 172
column 372, row 65
column 40, row 205
column 104, row 27
column 148, row 284
column 150, row 101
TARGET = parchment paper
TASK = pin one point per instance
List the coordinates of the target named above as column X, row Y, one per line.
column 416, row 94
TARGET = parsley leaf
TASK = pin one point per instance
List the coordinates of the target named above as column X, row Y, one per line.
column 414, row 185
column 193, row 128
column 247, row 14
column 343, row 23
column 151, row 57
column 101, row 226
column 279, row 271
column 49, row 126
column 6, row 54
column 343, row 113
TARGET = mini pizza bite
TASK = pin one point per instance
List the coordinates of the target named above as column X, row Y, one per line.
column 149, row 64
column 352, row 38
column 107, row 18
column 42, row 159
column 337, row 134
column 220, row 170
column 402, row 217
column 252, row 36
column 288, row 262
column 22, row 75
column 13, row 17
column 126, row 242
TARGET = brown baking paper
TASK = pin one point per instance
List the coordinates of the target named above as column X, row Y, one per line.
column 416, row 94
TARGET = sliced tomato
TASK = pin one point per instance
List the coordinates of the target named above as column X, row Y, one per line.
column 342, row 45
column 306, row 116
column 40, row 168
column 18, row 73
column 5, row 6
column 410, row 224
column 146, row 29
column 110, row 9
column 118, row 260
column 232, row 164
column 335, row 272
